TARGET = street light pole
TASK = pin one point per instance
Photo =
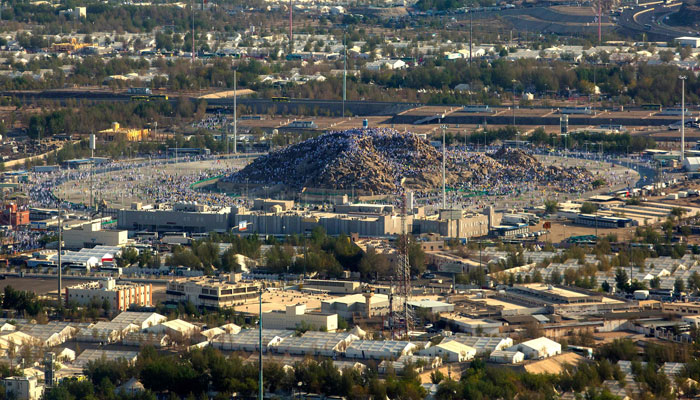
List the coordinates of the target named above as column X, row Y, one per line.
column 345, row 73
column 235, row 115
column 682, row 78
column 517, row 136
column 60, row 249
column 260, row 357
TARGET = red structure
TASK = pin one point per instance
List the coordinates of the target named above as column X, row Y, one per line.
column 13, row 215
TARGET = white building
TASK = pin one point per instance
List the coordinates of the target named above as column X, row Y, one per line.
column 105, row 332
column 433, row 306
column 91, row 355
column 365, row 304
column 379, row 349
column 120, row 297
column 209, row 334
column 452, row 351
column 483, row 344
column 141, row 319
column 139, row 339
column 316, row 344
column 51, row 334
column 538, row 348
column 23, row 388
column 295, row 316
column 175, row 328
column 693, row 42
column 506, row 357
column 248, row 340
column 91, row 234
column 206, row 292
column 691, row 164
column 473, row 326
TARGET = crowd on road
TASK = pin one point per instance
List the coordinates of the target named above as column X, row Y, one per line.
column 212, row 122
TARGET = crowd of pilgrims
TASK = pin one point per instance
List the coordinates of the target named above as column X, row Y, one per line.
column 153, row 181
column 372, row 160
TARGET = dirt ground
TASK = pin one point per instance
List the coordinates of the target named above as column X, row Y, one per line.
column 562, row 230
column 39, row 286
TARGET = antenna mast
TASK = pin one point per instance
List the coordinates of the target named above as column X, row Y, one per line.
column 403, row 275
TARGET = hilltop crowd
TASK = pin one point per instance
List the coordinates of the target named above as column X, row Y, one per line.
column 385, row 161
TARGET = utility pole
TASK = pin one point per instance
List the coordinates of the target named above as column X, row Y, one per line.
column 193, row 32
column 682, row 78
column 60, row 249
column 260, row 360
column 444, row 163
column 92, row 168
column 235, row 114
column 345, row 72
column 600, row 12
column 470, row 38
column 291, row 32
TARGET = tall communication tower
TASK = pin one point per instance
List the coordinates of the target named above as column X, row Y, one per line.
column 401, row 316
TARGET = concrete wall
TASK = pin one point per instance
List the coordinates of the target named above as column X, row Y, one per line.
column 507, row 118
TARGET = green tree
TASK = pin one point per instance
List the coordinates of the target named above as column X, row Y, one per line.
column 589, row 208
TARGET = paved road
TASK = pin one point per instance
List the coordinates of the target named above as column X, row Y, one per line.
column 646, row 20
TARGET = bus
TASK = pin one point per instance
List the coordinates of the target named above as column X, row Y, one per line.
column 678, row 111
column 576, row 110
column 139, row 91
column 280, row 99
column 188, row 151
column 653, row 107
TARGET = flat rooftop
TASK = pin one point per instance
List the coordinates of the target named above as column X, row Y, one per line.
column 554, row 290
column 490, row 301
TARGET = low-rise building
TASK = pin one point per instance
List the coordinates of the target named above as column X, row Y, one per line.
column 451, row 351
column 142, row 320
column 140, row 339
column 432, row 306
column 92, row 355
column 105, row 332
column 367, row 305
column 116, row 132
column 311, row 343
column 50, row 335
column 537, row 348
column 91, row 234
column 332, row 286
column 473, row 326
column 483, row 344
column 295, row 316
column 23, row 388
column 690, row 308
column 506, row 357
column 119, row 296
column 248, row 340
column 175, row 328
column 379, row 349
column 181, row 218
column 211, row 293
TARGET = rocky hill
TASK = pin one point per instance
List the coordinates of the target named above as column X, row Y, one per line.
column 383, row 160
